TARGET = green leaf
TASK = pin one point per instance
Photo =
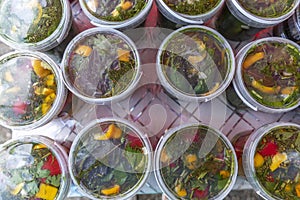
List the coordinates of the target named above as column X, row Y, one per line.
column 198, row 184
column 54, row 180
column 43, row 173
column 16, row 177
column 222, row 183
column 31, row 188
column 120, row 177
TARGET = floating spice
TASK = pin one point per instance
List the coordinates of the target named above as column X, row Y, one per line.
column 29, row 170
column 192, row 7
column 28, row 89
column 109, row 160
column 271, row 74
column 196, row 61
column 29, row 21
column 100, row 65
column 203, row 167
column 276, row 162
column 115, row 11
column 268, row 8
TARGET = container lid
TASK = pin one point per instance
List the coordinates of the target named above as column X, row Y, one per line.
column 276, row 161
column 110, row 159
column 100, row 64
column 29, row 21
column 195, row 162
column 196, row 62
column 270, row 73
column 28, row 88
column 31, row 169
column 114, row 11
column 268, row 9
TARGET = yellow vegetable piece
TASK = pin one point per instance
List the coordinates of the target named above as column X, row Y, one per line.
column 181, row 192
column 83, row 50
column 200, row 44
column 258, row 160
column 126, row 5
column 39, row 146
column 224, row 174
column 43, row 91
column 103, row 136
column 50, row 98
column 217, row 85
column 111, row 191
column 277, row 160
column 8, row 77
column 114, row 131
column 17, row 189
column 164, row 156
column 196, row 59
column 288, row 188
column 265, row 89
column 45, row 108
column 251, row 59
column 46, row 192
column 115, row 13
column 39, row 69
column 123, row 55
column 297, row 188
column 50, row 80
column 191, row 161
column 288, row 90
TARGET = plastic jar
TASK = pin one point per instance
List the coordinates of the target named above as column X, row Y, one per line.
column 195, row 161
column 290, row 28
column 266, row 89
column 189, row 65
column 110, row 159
column 33, row 167
column 34, row 24
column 119, row 14
column 186, row 13
column 271, row 161
column 242, row 19
column 31, row 90
column 101, row 65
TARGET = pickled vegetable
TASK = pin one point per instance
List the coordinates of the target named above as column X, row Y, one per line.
column 27, row 90
column 271, row 73
column 203, row 166
column 29, row 172
column 278, row 170
column 109, row 160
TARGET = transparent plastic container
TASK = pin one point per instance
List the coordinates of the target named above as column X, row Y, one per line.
column 110, row 159
column 35, row 24
column 197, row 73
column 119, row 14
column 266, row 89
column 33, row 167
column 271, row 161
column 194, row 161
column 242, row 19
column 183, row 17
column 32, row 91
column 101, row 65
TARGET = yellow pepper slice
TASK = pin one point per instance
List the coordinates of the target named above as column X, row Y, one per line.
column 17, row 189
column 277, row 160
column 258, row 160
column 50, row 80
column 123, row 55
column 112, row 132
column 83, row 50
column 251, row 59
column 181, row 192
column 46, row 192
column 265, row 89
column 297, row 188
column 191, row 161
column 111, row 191
column 224, row 173
column 164, row 156
column 39, row 146
column 288, row 90
column 39, row 69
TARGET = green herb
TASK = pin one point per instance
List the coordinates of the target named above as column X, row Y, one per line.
column 54, row 180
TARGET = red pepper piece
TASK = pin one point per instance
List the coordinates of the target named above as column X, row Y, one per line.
column 199, row 194
column 134, row 142
column 19, row 108
column 52, row 165
column 270, row 149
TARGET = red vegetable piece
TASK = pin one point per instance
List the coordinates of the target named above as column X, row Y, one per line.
column 199, row 194
column 19, row 108
column 269, row 150
column 52, row 165
column 134, row 142
column 270, row 178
